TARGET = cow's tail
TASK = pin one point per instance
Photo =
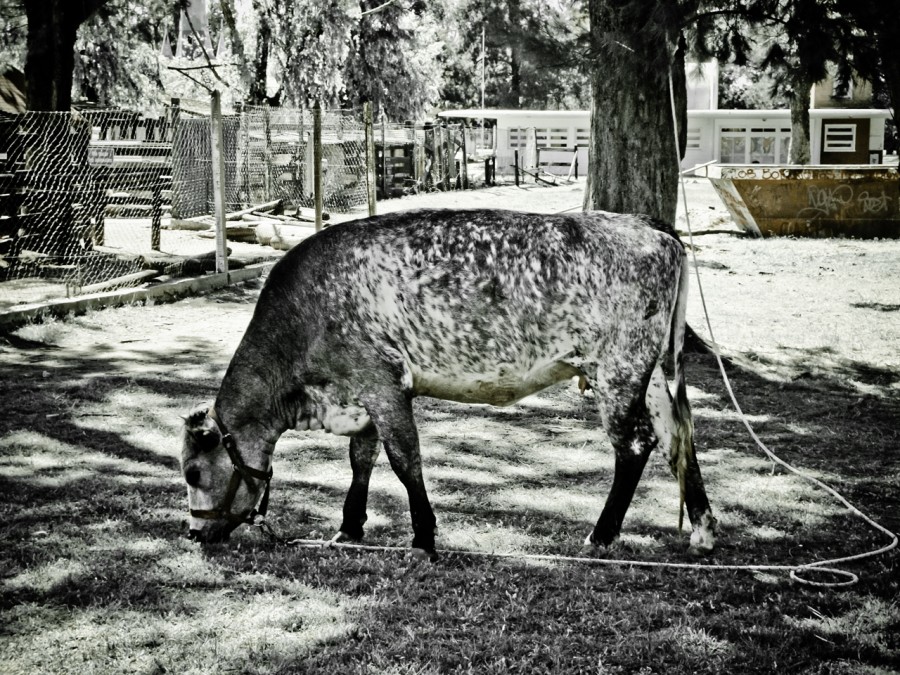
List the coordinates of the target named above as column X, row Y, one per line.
column 682, row 447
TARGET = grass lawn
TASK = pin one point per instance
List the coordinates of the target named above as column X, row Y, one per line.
column 98, row 577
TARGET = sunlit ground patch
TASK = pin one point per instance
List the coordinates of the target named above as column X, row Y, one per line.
column 871, row 625
column 47, row 577
column 213, row 631
column 51, row 462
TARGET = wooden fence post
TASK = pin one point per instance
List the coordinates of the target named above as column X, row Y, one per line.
column 268, row 178
column 370, row 157
column 464, row 164
column 384, row 156
column 317, row 162
column 156, row 214
column 218, row 179
column 450, row 150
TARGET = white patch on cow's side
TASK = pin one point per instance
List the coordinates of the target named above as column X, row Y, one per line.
column 659, row 405
column 328, row 411
column 504, row 386
column 703, row 536
column 406, row 379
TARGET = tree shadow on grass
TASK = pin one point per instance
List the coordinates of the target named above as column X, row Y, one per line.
column 100, row 542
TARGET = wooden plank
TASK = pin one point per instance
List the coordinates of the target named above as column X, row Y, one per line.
column 126, row 279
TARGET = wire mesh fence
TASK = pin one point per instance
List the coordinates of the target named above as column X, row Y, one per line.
column 83, row 195
column 98, row 200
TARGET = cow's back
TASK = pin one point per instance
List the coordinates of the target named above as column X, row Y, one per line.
column 502, row 302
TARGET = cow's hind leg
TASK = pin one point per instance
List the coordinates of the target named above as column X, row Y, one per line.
column 391, row 412
column 363, row 453
column 630, row 430
column 703, row 523
column 673, row 428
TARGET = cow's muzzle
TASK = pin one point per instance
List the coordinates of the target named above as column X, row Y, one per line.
column 210, row 535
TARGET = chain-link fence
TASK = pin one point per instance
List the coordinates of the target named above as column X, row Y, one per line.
column 92, row 201
column 97, row 200
column 268, row 156
column 83, row 196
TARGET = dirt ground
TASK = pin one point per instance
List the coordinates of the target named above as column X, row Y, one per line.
column 805, row 304
column 810, row 329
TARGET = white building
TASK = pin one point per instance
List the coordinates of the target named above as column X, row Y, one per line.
column 838, row 135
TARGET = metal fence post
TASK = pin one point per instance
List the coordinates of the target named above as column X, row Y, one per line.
column 317, row 162
column 384, row 157
column 218, row 176
column 370, row 156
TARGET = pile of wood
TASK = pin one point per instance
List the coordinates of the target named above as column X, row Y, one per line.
column 268, row 224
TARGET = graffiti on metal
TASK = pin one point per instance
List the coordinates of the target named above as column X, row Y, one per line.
column 872, row 204
column 813, row 201
column 757, row 172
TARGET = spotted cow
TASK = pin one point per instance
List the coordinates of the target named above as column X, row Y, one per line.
column 480, row 306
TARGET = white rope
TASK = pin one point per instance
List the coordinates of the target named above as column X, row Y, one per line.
column 825, row 564
column 584, row 560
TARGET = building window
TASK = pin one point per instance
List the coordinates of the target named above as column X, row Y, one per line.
column 754, row 145
column 518, row 137
column 545, row 138
column 840, row 138
column 693, row 138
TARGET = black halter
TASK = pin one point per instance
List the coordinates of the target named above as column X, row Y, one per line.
column 241, row 472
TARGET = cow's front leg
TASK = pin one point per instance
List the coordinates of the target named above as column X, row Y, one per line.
column 363, row 453
column 391, row 412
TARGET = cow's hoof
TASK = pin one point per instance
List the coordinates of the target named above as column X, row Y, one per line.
column 597, row 546
column 340, row 538
column 703, row 537
column 343, row 538
column 421, row 555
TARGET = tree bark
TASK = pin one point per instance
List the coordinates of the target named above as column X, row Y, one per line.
column 50, row 50
column 515, row 55
column 888, row 38
column 634, row 166
column 257, row 92
column 237, row 42
column 799, row 101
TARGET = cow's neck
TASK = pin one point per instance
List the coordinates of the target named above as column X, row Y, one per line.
column 253, row 410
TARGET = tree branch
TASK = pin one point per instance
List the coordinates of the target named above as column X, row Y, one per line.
column 84, row 10
column 209, row 63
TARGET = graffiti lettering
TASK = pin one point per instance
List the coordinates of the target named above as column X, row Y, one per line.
column 830, row 200
column 873, row 204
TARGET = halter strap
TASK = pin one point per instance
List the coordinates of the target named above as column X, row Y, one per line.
column 241, row 472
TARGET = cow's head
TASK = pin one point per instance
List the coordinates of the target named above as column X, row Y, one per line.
column 222, row 490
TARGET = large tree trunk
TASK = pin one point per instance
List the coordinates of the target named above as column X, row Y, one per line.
column 257, row 93
column 888, row 38
column 633, row 162
column 237, row 42
column 800, row 101
column 515, row 55
column 50, row 50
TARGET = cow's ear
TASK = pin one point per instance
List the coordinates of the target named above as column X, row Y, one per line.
column 196, row 418
column 201, row 429
column 206, row 438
